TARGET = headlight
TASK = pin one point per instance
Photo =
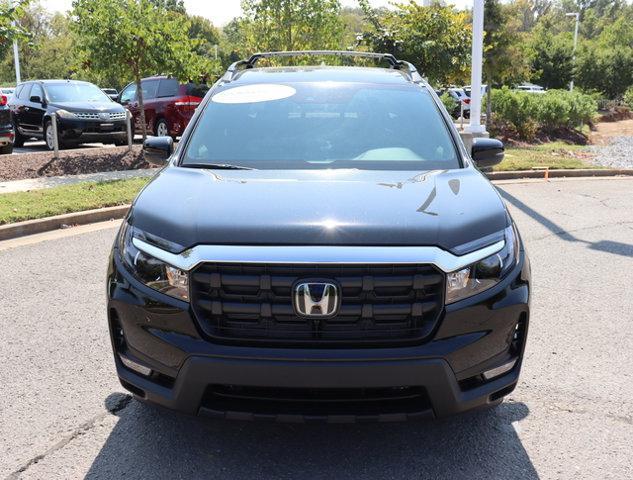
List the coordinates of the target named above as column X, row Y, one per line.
column 151, row 271
column 485, row 273
column 65, row 114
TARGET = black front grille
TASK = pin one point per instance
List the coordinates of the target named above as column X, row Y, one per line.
column 316, row 404
column 380, row 304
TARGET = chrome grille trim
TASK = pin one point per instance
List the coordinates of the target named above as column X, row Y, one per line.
column 445, row 261
column 95, row 116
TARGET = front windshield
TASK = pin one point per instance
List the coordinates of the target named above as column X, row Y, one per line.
column 75, row 92
column 318, row 125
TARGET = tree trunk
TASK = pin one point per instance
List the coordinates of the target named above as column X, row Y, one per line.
column 288, row 20
column 488, row 103
column 141, row 106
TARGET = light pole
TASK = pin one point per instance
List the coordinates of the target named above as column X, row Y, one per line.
column 16, row 59
column 577, row 15
column 475, row 126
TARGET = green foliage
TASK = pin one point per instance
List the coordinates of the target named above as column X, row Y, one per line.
column 204, row 34
column 526, row 113
column 504, row 59
column 10, row 11
column 435, row 39
column 134, row 39
column 271, row 25
column 449, row 102
column 551, row 58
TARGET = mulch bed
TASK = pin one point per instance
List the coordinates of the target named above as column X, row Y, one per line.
column 567, row 135
column 70, row 162
column 615, row 114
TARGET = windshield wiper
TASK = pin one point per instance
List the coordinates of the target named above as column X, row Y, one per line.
column 217, row 166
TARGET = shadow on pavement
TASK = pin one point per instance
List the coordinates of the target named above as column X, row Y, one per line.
column 150, row 442
column 609, row 246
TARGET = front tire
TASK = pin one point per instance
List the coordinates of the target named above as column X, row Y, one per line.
column 48, row 136
column 162, row 128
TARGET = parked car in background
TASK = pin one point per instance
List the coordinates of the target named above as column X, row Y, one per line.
column 6, row 129
column 530, row 88
column 7, row 92
column 484, row 90
column 168, row 104
column 84, row 113
column 462, row 102
column 112, row 93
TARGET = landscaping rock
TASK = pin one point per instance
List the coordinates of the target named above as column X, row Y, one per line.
column 618, row 153
column 70, row 162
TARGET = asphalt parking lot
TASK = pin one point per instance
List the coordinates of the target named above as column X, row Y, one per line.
column 64, row 415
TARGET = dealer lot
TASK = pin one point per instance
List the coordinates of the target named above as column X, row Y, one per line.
column 63, row 414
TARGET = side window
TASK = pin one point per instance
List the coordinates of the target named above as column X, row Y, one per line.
column 149, row 89
column 18, row 90
column 167, row 87
column 24, row 94
column 37, row 91
column 129, row 94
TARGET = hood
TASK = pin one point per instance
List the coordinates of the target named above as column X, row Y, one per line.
column 110, row 107
column 190, row 206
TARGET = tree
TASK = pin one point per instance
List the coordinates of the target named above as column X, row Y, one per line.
column 552, row 61
column 435, row 39
column 205, row 34
column 504, row 61
column 290, row 25
column 10, row 12
column 135, row 38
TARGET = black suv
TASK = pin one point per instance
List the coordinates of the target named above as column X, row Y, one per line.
column 319, row 247
column 84, row 113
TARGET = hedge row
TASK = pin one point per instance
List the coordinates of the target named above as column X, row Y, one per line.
column 527, row 113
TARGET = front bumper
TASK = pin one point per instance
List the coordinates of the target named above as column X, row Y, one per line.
column 438, row 378
column 92, row 130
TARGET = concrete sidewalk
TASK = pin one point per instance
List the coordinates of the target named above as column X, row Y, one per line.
column 48, row 182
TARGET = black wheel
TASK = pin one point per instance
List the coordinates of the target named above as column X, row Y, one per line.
column 120, row 143
column 19, row 139
column 7, row 149
column 161, row 129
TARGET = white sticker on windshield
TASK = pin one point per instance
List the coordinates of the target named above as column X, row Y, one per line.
column 262, row 92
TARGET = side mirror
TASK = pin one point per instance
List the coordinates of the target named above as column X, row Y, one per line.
column 487, row 152
column 36, row 99
column 156, row 150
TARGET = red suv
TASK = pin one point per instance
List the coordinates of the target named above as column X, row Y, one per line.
column 168, row 104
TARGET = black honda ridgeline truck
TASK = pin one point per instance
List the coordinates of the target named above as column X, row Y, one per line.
column 320, row 246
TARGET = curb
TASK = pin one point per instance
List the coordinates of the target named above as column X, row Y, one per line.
column 40, row 225
column 558, row 173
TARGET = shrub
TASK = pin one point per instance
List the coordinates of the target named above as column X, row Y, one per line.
column 449, row 102
column 526, row 113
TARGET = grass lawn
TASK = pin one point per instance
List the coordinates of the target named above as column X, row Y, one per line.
column 552, row 155
column 18, row 206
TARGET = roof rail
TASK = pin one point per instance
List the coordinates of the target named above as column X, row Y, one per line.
column 388, row 57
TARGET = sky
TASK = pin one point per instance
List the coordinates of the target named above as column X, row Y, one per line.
column 221, row 12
